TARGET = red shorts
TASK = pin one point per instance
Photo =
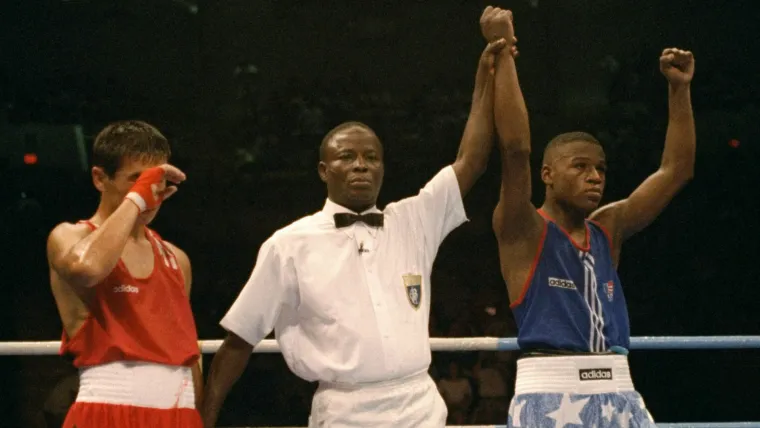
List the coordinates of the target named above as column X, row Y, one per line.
column 100, row 415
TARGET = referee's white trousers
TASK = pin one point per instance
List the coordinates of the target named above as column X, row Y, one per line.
column 410, row 402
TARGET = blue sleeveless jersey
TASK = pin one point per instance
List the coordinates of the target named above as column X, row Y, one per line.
column 574, row 300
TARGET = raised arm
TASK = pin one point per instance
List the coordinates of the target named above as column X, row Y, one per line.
column 628, row 216
column 477, row 139
column 83, row 259
column 515, row 219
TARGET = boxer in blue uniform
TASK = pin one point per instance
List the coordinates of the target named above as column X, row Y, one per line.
column 559, row 262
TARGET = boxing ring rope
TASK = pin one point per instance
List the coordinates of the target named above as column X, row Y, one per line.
column 478, row 344
column 459, row 344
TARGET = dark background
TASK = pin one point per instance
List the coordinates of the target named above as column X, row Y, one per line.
column 246, row 89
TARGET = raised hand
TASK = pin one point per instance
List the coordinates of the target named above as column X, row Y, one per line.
column 151, row 189
column 497, row 23
column 488, row 57
column 677, row 66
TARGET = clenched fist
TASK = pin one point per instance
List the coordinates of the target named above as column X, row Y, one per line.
column 677, row 65
column 497, row 23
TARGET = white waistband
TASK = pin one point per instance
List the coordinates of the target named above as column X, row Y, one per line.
column 407, row 380
column 137, row 384
column 590, row 374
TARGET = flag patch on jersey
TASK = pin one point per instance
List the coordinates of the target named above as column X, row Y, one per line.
column 413, row 286
column 610, row 289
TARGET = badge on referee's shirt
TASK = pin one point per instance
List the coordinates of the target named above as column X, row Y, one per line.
column 413, row 285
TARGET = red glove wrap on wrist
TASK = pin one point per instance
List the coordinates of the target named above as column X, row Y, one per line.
column 144, row 192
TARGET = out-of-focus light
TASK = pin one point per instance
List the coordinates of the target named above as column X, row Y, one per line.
column 30, row 158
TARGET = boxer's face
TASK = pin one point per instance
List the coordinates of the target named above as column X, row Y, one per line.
column 114, row 188
column 577, row 175
column 353, row 168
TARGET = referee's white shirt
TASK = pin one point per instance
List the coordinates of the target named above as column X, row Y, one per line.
column 340, row 314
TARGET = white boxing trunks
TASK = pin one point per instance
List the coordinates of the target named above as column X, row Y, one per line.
column 590, row 391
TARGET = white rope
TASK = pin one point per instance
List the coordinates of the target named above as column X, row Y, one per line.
column 461, row 344
column 440, row 344
column 266, row 346
column 476, row 344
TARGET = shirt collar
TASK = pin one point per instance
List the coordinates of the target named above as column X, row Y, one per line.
column 330, row 208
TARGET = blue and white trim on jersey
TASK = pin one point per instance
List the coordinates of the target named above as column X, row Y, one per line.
column 596, row 341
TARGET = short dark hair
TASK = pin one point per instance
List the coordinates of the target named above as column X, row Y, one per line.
column 343, row 126
column 132, row 139
column 568, row 137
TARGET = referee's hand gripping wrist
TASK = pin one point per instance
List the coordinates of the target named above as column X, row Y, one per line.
column 151, row 188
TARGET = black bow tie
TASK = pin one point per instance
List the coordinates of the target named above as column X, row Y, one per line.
column 347, row 219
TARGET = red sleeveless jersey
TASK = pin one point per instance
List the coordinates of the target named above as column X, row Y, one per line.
column 138, row 319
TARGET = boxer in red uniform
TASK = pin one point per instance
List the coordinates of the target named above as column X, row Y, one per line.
column 123, row 293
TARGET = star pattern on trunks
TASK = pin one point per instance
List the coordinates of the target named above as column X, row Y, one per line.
column 624, row 418
column 569, row 412
column 608, row 411
column 516, row 413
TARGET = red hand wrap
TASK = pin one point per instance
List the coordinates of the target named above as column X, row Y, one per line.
column 143, row 192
